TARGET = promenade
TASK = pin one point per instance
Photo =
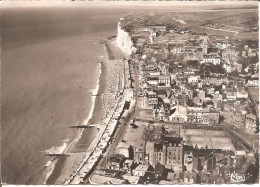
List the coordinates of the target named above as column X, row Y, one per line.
column 107, row 134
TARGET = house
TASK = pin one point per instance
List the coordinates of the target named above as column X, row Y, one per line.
column 178, row 114
column 161, row 111
column 174, row 153
column 177, row 50
column 149, row 150
column 188, row 160
column 161, row 28
column 115, row 161
column 123, row 149
column 150, row 177
column 251, row 123
column 164, row 81
column 139, row 153
column 190, row 177
column 254, row 82
column 231, row 93
column 149, row 99
column 159, row 153
column 203, row 160
column 128, row 165
column 211, row 59
column 187, row 90
column 202, row 115
column 242, row 94
column 140, row 170
column 193, row 79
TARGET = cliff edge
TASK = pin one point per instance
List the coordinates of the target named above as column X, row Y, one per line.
column 124, row 40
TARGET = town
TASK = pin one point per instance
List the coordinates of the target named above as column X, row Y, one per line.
column 192, row 113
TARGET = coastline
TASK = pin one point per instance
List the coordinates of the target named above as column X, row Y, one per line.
column 61, row 167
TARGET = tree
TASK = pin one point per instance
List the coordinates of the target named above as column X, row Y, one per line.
column 193, row 63
column 190, row 103
column 234, row 73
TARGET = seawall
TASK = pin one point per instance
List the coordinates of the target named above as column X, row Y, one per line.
column 124, row 40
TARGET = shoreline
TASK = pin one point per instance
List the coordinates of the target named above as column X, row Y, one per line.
column 59, row 164
column 113, row 100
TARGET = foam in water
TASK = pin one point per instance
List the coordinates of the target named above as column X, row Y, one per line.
column 94, row 92
column 61, row 149
column 58, row 149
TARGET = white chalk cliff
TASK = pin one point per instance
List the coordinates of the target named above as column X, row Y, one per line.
column 124, row 41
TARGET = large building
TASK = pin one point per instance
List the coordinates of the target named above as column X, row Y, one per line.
column 168, row 152
column 174, row 153
column 251, row 123
column 202, row 115
column 139, row 153
column 149, row 100
column 179, row 115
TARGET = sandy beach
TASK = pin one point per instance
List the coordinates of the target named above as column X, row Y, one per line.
column 110, row 82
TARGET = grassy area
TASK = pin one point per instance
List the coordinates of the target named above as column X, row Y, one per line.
column 247, row 36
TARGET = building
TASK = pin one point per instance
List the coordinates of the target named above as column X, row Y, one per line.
column 149, row 99
column 187, row 90
column 205, row 45
column 139, row 153
column 231, row 93
column 115, row 161
column 149, row 150
column 211, row 59
column 124, row 149
column 167, row 152
column 251, row 123
column 161, row 112
column 159, row 153
column 174, row 153
column 203, row 160
column 164, row 81
column 188, row 160
column 179, row 114
column 177, row 50
column 161, row 28
column 193, row 79
column 253, row 82
column 202, row 115
column 140, row 170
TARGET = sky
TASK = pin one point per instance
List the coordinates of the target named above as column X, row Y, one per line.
column 68, row 3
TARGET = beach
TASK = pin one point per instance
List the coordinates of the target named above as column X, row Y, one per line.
column 110, row 81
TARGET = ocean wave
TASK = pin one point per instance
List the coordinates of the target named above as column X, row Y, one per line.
column 58, row 149
column 93, row 92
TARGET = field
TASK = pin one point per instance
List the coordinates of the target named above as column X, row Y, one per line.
column 247, row 19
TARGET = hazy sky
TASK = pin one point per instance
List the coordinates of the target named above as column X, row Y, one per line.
column 67, row 3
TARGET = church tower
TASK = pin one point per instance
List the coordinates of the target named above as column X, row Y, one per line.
column 205, row 45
